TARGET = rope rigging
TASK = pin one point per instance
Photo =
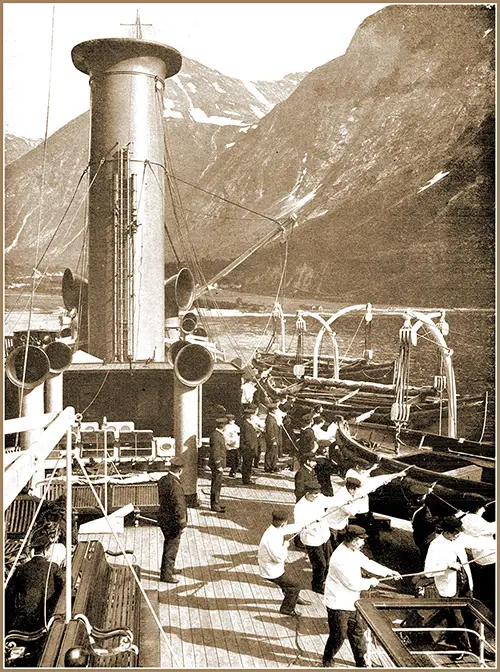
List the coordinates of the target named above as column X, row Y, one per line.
column 400, row 410
column 83, row 199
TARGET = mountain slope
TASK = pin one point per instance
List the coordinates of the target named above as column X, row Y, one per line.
column 352, row 150
column 15, row 147
column 385, row 154
column 204, row 111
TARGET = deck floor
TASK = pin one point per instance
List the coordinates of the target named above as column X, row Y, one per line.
column 222, row 614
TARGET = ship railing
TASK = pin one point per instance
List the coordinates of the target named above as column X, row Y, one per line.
column 27, row 463
column 483, row 643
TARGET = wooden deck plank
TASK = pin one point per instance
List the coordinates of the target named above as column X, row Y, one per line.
column 222, row 614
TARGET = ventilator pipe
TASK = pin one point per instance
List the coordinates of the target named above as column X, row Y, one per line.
column 188, row 323
column 75, row 292
column 193, row 366
column 174, row 350
column 179, row 292
column 200, row 332
column 60, row 356
column 28, row 367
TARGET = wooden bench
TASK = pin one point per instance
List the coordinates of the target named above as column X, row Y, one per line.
column 83, row 500
column 54, row 638
column 19, row 516
column 108, row 596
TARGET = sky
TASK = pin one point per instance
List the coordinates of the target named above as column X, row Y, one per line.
column 245, row 40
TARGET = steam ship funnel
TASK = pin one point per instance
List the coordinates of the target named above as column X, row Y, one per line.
column 126, row 296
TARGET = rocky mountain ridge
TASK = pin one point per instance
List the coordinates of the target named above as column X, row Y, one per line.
column 16, row 146
column 201, row 119
column 386, row 156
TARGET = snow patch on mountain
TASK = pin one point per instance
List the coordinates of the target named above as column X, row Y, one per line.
column 168, row 109
column 292, row 204
column 258, row 95
column 198, row 115
column 433, row 180
column 18, row 234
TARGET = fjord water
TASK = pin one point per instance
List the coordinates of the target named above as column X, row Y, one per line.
column 238, row 334
column 471, row 337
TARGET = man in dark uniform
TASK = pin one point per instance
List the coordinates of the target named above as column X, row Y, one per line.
column 305, row 475
column 286, row 406
column 32, row 593
column 423, row 524
column 249, row 443
column 172, row 518
column 273, row 439
column 217, row 463
column 307, row 440
column 324, row 469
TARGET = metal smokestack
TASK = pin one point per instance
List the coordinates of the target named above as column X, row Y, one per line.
column 126, row 301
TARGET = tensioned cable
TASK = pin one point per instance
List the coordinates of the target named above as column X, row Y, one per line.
column 232, row 219
column 226, row 200
column 343, row 358
column 97, row 393
column 129, row 564
column 178, row 210
column 283, row 273
column 223, row 319
column 62, row 220
column 172, row 188
column 39, row 224
column 175, row 196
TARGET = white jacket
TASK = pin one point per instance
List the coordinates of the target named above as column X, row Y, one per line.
column 344, row 581
column 441, row 554
column 483, row 547
column 231, row 433
column 273, row 550
column 306, row 512
column 342, row 508
column 476, row 525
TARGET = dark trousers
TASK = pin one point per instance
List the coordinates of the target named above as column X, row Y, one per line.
column 258, row 450
column 336, row 538
column 170, row 548
column 458, row 618
column 280, row 444
column 319, row 557
column 233, row 461
column 484, row 581
column 215, row 487
column 271, row 458
column 290, row 590
column 344, row 624
column 247, row 457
